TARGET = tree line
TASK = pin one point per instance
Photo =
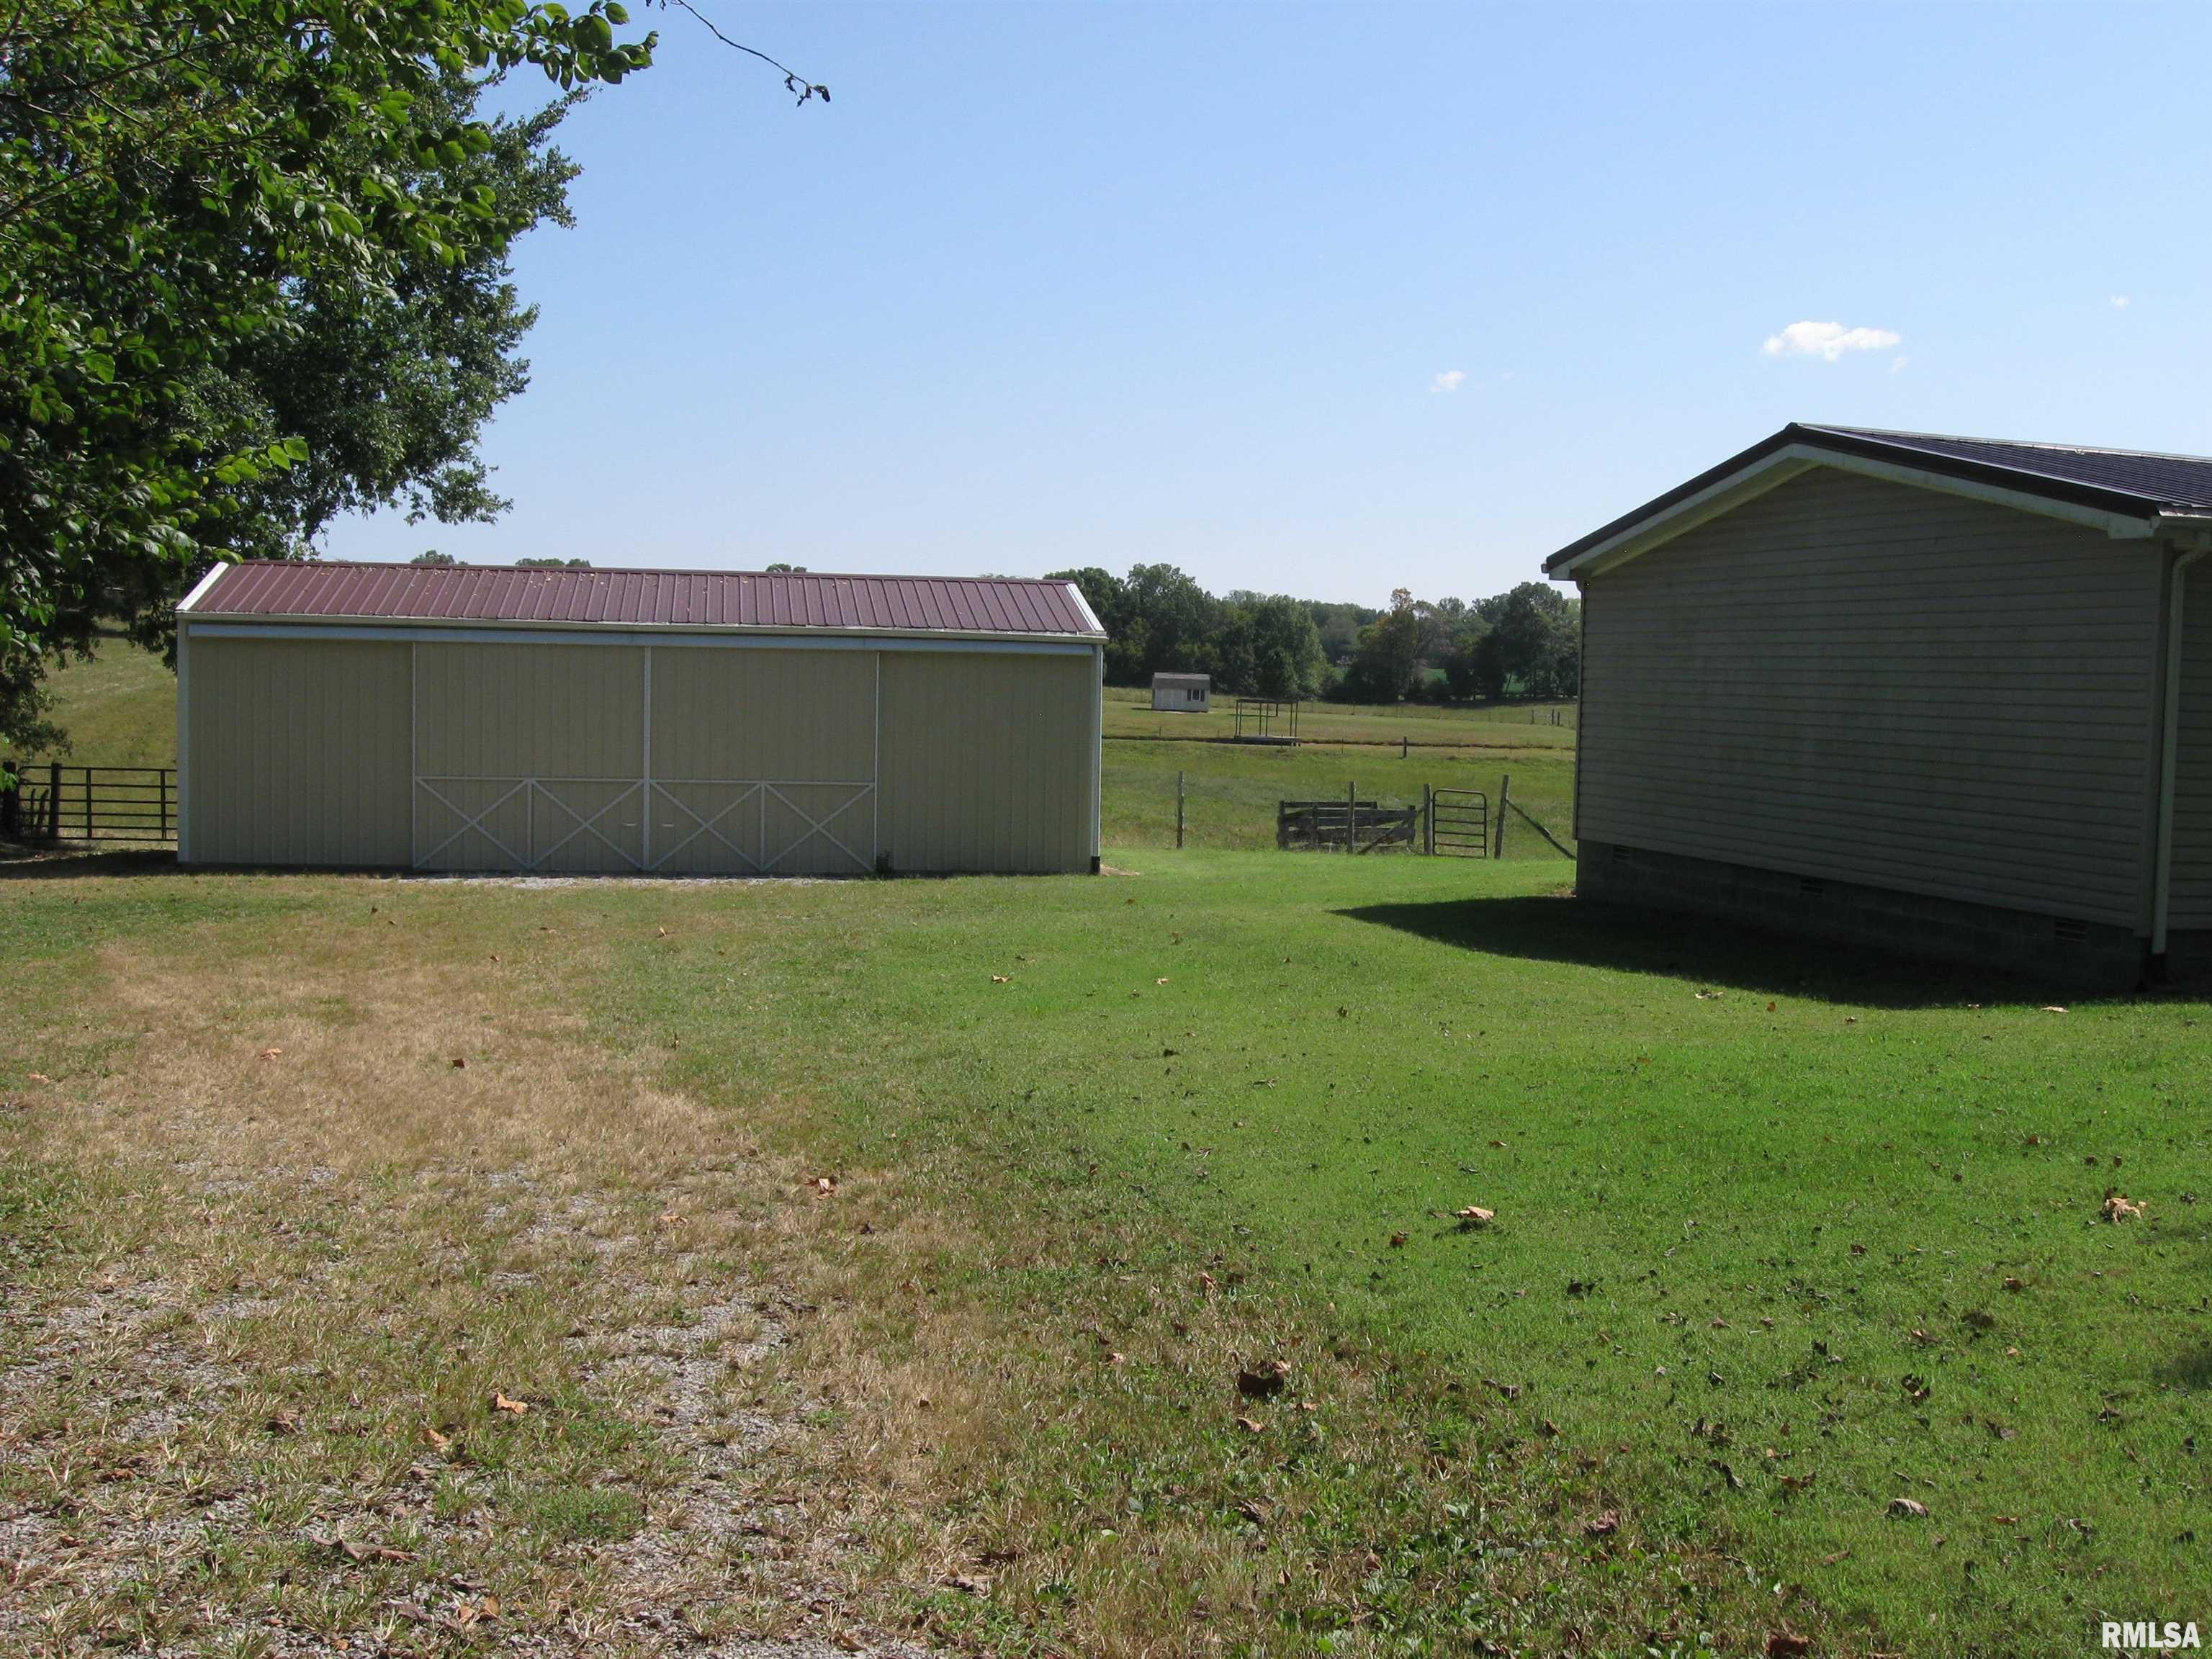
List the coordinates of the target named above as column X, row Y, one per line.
column 1526, row 641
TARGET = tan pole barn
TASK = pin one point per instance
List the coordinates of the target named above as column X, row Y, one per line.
column 636, row 723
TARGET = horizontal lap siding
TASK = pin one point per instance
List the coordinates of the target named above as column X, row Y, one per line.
column 987, row 762
column 2191, row 902
column 1857, row 679
column 297, row 752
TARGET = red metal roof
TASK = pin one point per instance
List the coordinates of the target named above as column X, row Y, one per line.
column 771, row 600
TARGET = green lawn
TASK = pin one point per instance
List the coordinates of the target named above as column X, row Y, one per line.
column 1802, row 1235
column 1780, row 1238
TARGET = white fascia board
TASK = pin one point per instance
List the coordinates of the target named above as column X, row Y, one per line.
column 1084, row 606
column 1792, row 459
column 200, row 587
column 632, row 634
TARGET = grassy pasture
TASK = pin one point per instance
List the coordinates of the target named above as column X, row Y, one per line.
column 1519, row 726
column 1231, row 790
column 1779, row 1239
column 118, row 709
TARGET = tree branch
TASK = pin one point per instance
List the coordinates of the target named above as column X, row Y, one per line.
column 793, row 83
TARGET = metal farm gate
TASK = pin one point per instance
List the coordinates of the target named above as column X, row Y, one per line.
column 1459, row 823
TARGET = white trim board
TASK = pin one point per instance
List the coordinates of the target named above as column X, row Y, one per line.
column 1794, row 459
column 208, row 627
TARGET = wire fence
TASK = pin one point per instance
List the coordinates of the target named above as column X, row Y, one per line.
column 1234, row 800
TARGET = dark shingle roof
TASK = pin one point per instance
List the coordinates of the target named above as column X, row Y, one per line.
column 773, row 601
column 2123, row 481
column 2182, row 482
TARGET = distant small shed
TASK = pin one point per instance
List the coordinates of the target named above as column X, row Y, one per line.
column 1182, row 694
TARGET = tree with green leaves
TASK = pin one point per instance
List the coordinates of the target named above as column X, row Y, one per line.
column 253, row 275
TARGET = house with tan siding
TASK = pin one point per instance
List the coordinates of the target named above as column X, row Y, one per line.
column 1938, row 694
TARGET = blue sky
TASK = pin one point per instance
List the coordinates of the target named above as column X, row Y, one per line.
column 1329, row 300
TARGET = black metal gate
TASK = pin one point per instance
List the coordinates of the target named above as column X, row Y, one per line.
column 1459, row 823
column 57, row 803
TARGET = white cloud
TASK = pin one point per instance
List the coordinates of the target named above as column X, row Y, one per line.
column 1451, row 381
column 2119, row 302
column 1897, row 363
column 1828, row 341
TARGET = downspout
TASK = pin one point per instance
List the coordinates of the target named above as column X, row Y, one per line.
column 2169, row 760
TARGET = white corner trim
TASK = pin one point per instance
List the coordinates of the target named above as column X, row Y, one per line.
column 201, row 587
column 1793, row 459
column 1084, row 606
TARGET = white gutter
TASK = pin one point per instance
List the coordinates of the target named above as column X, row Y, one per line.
column 2169, row 758
column 301, row 625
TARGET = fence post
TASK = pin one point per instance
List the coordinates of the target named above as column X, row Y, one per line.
column 1505, row 794
column 1403, row 746
column 11, row 810
column 53, row 800
column 1351, row 818
column 162, row 821
column 1428, row 820
column 1178, row 811
column 87, row 802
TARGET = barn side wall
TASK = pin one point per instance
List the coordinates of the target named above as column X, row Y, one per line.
column 701, row 757
column 1856, row 680
column 988, row 762
column 296, row 753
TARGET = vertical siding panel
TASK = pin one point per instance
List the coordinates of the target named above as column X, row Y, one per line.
column 298, row 752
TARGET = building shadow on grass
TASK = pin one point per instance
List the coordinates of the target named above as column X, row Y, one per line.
column 20, row 863
column 1706, row 953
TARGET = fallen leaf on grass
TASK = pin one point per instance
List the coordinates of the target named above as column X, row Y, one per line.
column 460, row 1064
column 1602, row 1526
column 1908, row 1509
column 437, row 1442
column 1002, row 978
column 1788, row 1644
column 1397, row 1241
column 1735, row 1480
column 826, row 1185
column 39, row 1076
column 967, row 1585
column 270, row 1053
column 2053, row 1008
column 2118, row 1208
column 1159, row 981
column 2004, row 1519
column 1265, row 1380
column 1474, row 1215
column 1251, row 1425
column 2014, row 1285
column 499, row 1402
column 1797, row 1482
column 670, row 1218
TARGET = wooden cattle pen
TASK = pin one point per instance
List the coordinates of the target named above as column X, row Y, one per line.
column 1448, row 823
column 1352, row 824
